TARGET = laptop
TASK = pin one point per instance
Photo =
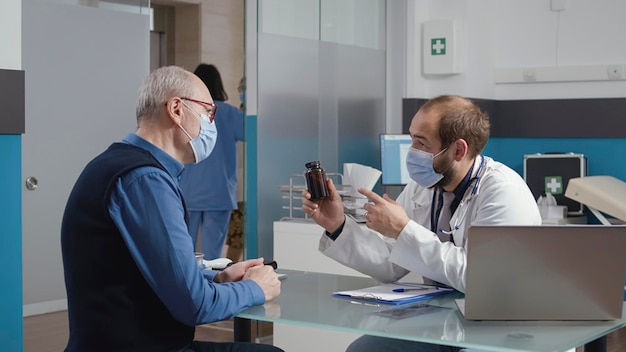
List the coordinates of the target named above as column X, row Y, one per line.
column 572, row 272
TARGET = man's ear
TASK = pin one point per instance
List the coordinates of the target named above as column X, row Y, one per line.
column 174, row 107
column 461, row 149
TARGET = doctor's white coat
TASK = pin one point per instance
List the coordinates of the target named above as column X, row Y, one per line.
column 498, row 196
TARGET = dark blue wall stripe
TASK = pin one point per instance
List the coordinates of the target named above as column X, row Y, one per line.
column 550, row 118
column 12, row 100
column 567, row 118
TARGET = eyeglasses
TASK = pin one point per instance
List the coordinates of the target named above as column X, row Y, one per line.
column 211, row 108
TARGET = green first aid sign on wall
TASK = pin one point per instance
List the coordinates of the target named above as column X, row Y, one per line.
column 438, row 46
column 554, row 184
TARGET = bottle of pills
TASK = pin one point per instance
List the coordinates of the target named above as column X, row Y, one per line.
column 315, row 177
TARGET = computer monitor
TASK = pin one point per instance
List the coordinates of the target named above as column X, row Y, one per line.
column 393, row 149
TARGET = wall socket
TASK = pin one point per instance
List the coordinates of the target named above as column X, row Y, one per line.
column 559, row 5
column 614, row 71
column 530, row 75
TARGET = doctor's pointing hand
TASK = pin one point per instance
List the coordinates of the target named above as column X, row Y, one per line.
column 385, row 215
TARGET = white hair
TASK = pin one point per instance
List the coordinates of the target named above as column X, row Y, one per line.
column 160, row 85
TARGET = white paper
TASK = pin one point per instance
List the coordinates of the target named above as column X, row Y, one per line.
column 360, row 176
column 385, row 292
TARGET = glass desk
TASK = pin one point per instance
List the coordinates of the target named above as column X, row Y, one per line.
column 306, row 300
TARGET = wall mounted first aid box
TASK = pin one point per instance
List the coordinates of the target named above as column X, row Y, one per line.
column 550, row 173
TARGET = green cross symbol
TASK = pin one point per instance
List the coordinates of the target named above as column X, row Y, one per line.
column 438, row 46
column 554, row 184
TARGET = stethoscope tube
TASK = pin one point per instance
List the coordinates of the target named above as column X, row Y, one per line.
column 433, row 211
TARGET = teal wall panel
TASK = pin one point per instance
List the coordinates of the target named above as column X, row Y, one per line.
column 11, row 333
column 604, row 155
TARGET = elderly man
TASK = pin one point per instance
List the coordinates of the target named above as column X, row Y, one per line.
column 132, row 281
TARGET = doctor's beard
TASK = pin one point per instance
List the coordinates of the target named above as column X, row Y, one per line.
column 449, row 172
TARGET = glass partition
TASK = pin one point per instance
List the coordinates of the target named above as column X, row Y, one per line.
column 320, row 91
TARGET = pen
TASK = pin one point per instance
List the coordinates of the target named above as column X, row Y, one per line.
column 413, row 289
column 365, row 304
column 273, row 264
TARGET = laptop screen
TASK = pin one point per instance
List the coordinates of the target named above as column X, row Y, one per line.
column 545, row 272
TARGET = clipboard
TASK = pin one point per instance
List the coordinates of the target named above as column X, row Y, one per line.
column 387, row 293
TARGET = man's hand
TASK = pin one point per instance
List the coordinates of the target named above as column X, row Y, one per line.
column 385, row 215
column 237, row 271
column 255, row 270
column 327, row 212
column 266, row 278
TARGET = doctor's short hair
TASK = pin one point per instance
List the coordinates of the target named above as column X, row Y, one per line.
column 460, row 119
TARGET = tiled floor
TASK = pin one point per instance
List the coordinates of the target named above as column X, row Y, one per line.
column 49, row 332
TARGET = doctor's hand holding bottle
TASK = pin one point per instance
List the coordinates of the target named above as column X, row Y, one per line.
column 383, row 214
column 327, row 212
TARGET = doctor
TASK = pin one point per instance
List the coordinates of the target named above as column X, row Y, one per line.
column 445, row 163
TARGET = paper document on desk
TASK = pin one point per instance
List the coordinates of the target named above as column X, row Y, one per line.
column 396, row 293
column 358, row 176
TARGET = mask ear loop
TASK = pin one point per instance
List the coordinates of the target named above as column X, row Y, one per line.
column 181, row 126
column 184, row 131
column 447, row 169
column 449, row 166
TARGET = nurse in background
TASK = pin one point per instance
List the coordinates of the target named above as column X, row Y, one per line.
column 210, row 187
column 241, row 88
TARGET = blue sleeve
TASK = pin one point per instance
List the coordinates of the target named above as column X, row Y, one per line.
column 210, row 274
column 146, row 207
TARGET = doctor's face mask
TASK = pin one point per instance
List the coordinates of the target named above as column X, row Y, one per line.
column 203, row 144
column 420, row 166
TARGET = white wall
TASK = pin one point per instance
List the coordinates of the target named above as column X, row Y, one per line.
column 10, row 35
column 514, row 34
column 396, row 77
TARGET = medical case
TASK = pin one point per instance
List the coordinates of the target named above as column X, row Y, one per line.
column 550, row 173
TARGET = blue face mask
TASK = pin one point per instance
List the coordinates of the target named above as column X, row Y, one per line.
column 420, row 166
column 242, row 97
column 203, row 144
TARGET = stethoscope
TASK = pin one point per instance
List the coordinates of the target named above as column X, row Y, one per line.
column 463, row 205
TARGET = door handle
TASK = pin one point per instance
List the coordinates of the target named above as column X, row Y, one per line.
column 31, row 183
